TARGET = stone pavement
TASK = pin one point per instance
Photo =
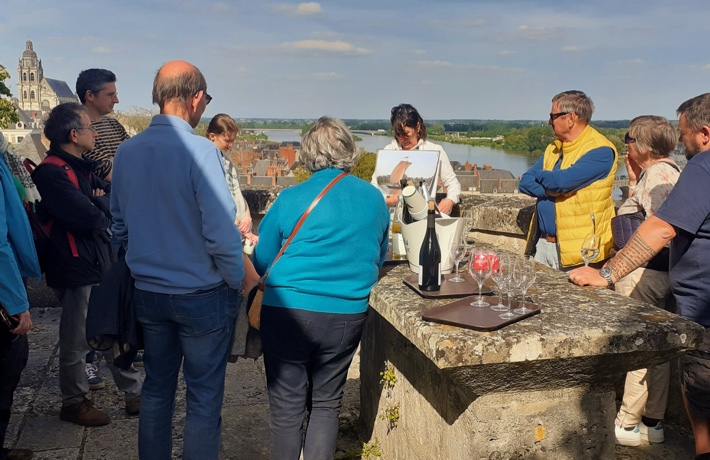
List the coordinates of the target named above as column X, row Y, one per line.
column 35, row 420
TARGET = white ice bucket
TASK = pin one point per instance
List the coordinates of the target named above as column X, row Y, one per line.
column 448, row 230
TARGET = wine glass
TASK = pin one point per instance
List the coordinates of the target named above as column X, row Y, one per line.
column 526, row 278
column 458, row 252
column 467, row 222
column 590, row 248
column 498, row 274
column 511, row 283
column 479, row 267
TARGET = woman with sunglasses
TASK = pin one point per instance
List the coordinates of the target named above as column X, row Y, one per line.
column 410, row 134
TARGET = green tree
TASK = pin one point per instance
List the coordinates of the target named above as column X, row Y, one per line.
column 8, row 114
column 435, row 129
column 364, row 167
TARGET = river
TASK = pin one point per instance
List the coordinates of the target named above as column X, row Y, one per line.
column 515, row 162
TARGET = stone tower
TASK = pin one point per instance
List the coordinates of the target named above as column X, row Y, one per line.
column 30, row 74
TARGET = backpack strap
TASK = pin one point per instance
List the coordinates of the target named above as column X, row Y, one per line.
column 56, row 161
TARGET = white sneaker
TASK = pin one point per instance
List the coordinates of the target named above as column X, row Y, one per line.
column 626, row 437
column 653, row 435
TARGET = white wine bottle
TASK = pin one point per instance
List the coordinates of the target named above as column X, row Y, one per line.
column 430, row 255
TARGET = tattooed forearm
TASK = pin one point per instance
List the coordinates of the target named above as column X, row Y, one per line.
column 636, row 253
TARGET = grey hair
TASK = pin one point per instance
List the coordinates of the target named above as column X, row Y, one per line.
column 181, row 86
column 696, row 111
column 577, row 102
column 62, row 119
column 653, row 134
column 328, row 144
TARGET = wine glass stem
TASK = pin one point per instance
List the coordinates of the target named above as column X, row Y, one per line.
column 480, row 289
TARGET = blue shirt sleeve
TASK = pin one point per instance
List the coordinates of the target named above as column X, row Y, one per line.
column 529, row 185
column 592, row 166
column 270, row 239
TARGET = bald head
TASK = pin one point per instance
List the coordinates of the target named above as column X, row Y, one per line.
column 177, row 80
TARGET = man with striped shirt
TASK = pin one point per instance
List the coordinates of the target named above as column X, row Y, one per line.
column 96, row 89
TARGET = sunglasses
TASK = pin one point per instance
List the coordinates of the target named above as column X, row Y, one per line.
column 555, row 116
column 628, row 139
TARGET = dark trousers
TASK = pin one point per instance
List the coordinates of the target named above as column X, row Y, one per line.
column 13, row 359
column 307, row 355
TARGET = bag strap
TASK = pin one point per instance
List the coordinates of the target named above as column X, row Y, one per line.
column 299, row 224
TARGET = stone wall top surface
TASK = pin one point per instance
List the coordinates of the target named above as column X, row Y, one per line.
column 574, row 323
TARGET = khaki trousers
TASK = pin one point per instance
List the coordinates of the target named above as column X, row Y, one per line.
column 645, row 390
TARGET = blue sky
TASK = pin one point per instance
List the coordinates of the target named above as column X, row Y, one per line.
column 495, row 59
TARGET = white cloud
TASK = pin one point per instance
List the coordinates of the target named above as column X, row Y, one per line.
column 419, row 52
column 337, row 47
column 101, row 50
column 576, row 48
column 537, row 34
column 302, row 9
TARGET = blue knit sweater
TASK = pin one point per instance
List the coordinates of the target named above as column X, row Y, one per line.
column 334, row 260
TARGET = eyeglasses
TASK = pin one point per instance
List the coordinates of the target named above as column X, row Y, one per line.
column 555, row 116
column 628, row 139
column 208, row 97
column 88, row 127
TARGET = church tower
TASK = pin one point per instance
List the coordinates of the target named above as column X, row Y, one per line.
column 30, row 74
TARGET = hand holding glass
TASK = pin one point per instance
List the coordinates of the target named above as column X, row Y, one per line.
column 479, row 267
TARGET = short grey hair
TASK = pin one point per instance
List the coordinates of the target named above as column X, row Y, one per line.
column 328, row 144
column 577, row 102
column 653, row 134
column 696, row 111
column 182, row 86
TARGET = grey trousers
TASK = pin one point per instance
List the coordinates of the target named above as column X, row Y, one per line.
column 73, row 348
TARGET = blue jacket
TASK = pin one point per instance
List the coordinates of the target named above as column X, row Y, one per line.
column 335, row 258
column 18, row 258
column 173, row 212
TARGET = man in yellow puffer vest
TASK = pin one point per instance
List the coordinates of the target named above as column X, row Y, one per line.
column 572, row 181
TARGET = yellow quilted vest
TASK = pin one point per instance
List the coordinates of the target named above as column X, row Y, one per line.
column 572, row 213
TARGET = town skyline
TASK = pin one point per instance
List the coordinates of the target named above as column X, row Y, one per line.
column 481, row 60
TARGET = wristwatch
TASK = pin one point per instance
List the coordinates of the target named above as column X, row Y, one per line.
column 605, row 273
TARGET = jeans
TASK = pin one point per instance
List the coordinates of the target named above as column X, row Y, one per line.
column 73, row 348
column 194, row 330
column 13, row 359
column 546, row 253
column 307, row 355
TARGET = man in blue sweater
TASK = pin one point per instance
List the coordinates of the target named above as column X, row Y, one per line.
column 175, row 216
column 572, row 181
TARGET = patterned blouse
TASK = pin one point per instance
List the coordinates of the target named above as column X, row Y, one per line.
column 653, row 187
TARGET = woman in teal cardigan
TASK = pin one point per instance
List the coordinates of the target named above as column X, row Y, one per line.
column 316, row 298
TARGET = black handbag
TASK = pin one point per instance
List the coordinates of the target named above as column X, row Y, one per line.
column 624, row 226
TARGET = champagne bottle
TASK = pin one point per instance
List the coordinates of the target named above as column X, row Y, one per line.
column 430, row 255
column 405, row 218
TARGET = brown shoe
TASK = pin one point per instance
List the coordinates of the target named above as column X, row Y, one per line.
column 18, row 454
column 133, row 407
column 84, row 413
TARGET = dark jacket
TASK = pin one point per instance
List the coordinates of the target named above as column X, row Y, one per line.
column 77, row 211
